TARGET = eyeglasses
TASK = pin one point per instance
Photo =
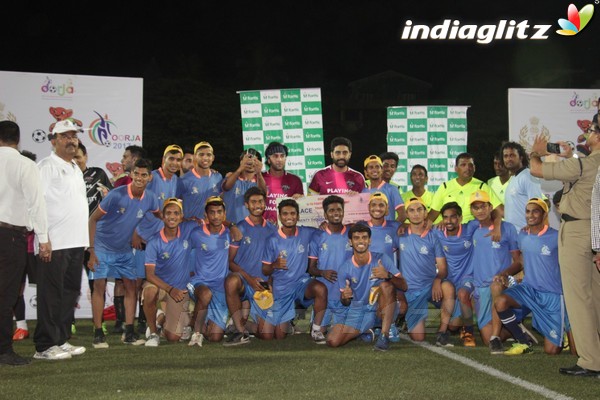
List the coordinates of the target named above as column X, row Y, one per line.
column 591, row 129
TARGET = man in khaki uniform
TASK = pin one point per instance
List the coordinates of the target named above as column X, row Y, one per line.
column 581, row 281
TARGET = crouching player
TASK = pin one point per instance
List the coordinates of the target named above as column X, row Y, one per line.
column 211, row 266
column 286, row 261
column 167, row 274
column 541, row 289
column 368, row 284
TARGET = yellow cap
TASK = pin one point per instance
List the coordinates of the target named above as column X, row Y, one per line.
column 380, row 196
column 539, row 202
column 414, row 200
column 373, row 158
column 215, row 199
column 479, row 195
column 173, row 200
column 173, row 147
column 202, row 144
column 263, row 299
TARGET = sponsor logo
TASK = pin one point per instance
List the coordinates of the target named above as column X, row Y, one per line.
column 60, row 89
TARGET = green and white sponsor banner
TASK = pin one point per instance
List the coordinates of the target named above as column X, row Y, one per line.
column 428, row 135
column 290, row 116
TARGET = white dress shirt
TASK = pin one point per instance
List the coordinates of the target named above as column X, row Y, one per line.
column 21, row 197
column 66, row 199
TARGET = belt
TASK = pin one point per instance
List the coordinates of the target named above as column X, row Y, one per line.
column 568, row 218
column 20, row 229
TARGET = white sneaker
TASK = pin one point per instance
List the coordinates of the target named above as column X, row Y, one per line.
column 153, row 340
column 196, row 339
column 74, row 350
column 53, row 353
column 318, row 337
column 187, row 333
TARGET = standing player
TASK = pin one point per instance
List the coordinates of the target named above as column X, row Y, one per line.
column 457, row 243
column 245, row 264
column 492, row 263
column 368, row 285
column 200, row 183
column 237, row 182
column 419, row 179
column 499, row 182
column 338, row 178
column 187, row 163
column 279, row 182
column 373, row 171
column 521, row 187
column 286, row 261
column 541, row 289
column 328, row 250
column 211, row 253
column 167, row 274
column 383, row 231
column 130, row 156
column 111, row 229
column 423, row 265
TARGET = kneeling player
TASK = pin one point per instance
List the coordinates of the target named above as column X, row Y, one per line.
column 541, row 289
column 167, row 274
column 371, row 280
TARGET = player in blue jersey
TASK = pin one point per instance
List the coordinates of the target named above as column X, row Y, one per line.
column 541, row 289
column 286, row 261
column 163, row 184
column 329, row 248
column 211, row 266
column 199, row 183
column 375, row 183
column 245, row 264
column 423, row 265
column 368, row 282
column 492, row 263
column 457, row 244
column 111, row 228
column 167, row 274
column 383, row 231
column 237, row 182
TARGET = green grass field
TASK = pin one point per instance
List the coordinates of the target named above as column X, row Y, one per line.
column 294, row 368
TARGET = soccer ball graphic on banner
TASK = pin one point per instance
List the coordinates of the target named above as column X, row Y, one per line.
column 39, row 136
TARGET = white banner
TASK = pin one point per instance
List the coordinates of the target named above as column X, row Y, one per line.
column 109, row 109
column 559, row 114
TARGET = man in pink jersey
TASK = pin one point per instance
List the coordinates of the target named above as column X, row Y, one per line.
column 280, row 183
column 338, row 178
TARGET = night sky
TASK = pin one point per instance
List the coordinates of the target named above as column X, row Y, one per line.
column 271, row 45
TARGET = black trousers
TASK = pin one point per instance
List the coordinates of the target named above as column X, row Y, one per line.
column 13, row 258
column 58, row 289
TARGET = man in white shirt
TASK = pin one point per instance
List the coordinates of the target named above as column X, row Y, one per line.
column 59, row 273
column 22, row 208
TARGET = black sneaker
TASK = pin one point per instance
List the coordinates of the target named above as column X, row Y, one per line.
column 119, row 327
column 443, row 339
column 237, row 339
column 133, row 339
column 496, row 346
column 100, row 342
column 12, row 358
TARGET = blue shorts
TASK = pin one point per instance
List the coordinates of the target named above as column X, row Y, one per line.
column 549, row 316
column 357, row 315
column 483, row 305
column 334, row 307
column 114, row 265
column 217, row 308
column 418, row 308
column 284, row 306
column 139, row 257
column 466, row 285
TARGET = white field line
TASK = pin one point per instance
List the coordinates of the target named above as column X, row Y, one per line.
column 541, row 390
